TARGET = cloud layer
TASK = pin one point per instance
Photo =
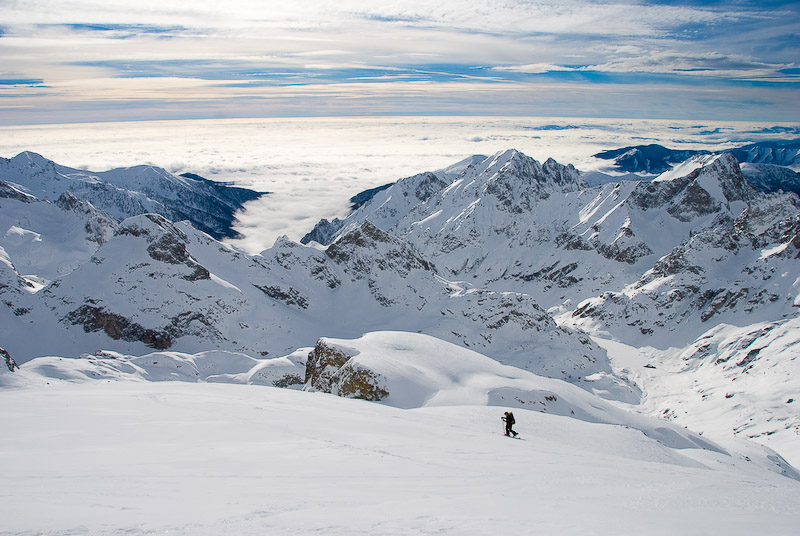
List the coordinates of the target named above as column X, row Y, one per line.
column 313, row 166
column 91, row 60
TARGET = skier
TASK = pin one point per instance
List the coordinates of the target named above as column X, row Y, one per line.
column 508, row 418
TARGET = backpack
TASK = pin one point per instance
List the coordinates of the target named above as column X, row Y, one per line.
column 511, row 418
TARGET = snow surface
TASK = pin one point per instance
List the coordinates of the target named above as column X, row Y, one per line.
column 122, row 457
column 687, row 167
column 733, row 381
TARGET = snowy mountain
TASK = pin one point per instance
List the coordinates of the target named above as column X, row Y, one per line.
column 512, row 224
column 419, row 187
column 651, row 158
column 768, row 165
column 780, row 153
column 598, row 178
column 153, row 284
column 731, row 381
column 658, row 263
column 125, row 192
column 515, row 259
column 772, row 178
column 737, row 271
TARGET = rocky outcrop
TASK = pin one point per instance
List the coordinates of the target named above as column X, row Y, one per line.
column 355, row 252
column 322, row 365
column 289, row 296
column 520, row 181
column 730, row 271
column 9, row 192
column 166, row 243
column 93, row 319
column 331, row 369
column 9, row 361
column 323, row 232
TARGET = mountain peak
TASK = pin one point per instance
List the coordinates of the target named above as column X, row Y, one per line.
column 125, row 192
column 32, row 158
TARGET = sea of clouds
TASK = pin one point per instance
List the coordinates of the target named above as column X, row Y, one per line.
column 312, row 166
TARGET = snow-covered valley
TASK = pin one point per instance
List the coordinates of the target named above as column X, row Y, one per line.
column 643, row 332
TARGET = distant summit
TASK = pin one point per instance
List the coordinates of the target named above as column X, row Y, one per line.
column 767, row 165
column 132, row 191
column 779, row 153
column 651, row 158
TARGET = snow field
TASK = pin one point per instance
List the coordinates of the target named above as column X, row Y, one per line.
column 128, row 457
column 722, row 400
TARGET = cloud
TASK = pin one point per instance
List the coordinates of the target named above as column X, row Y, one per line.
column 534, row 68
column 337, row 54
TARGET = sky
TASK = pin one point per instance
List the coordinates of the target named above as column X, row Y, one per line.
column 67, row 61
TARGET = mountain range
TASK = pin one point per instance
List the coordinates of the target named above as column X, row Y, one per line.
column 518, row 260
column 769, row 165
column 123, row 192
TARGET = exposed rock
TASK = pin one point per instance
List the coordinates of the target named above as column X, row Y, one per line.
column 9, row 192
column 116, row 326
column 287, row 380
column 10, row 363
column 360, row 198
column 560, row 276
column 355, row 381
column 650, row 195
column 693, row 202
column 323, row 232
column 427, row 185
column 289, row 297
column 355, row 250
column 628, row 255
column 323, row 363
column 167, row 243
column 330, row 369
column 570, row 241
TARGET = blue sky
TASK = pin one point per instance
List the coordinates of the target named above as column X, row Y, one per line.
column 67, row 61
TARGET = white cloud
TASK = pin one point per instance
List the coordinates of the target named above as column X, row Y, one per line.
column 230, row 51
column 534, row 68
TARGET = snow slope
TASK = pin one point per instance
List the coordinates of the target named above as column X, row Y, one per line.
column 119, row 454
column 207, row 459
column 730, row 382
